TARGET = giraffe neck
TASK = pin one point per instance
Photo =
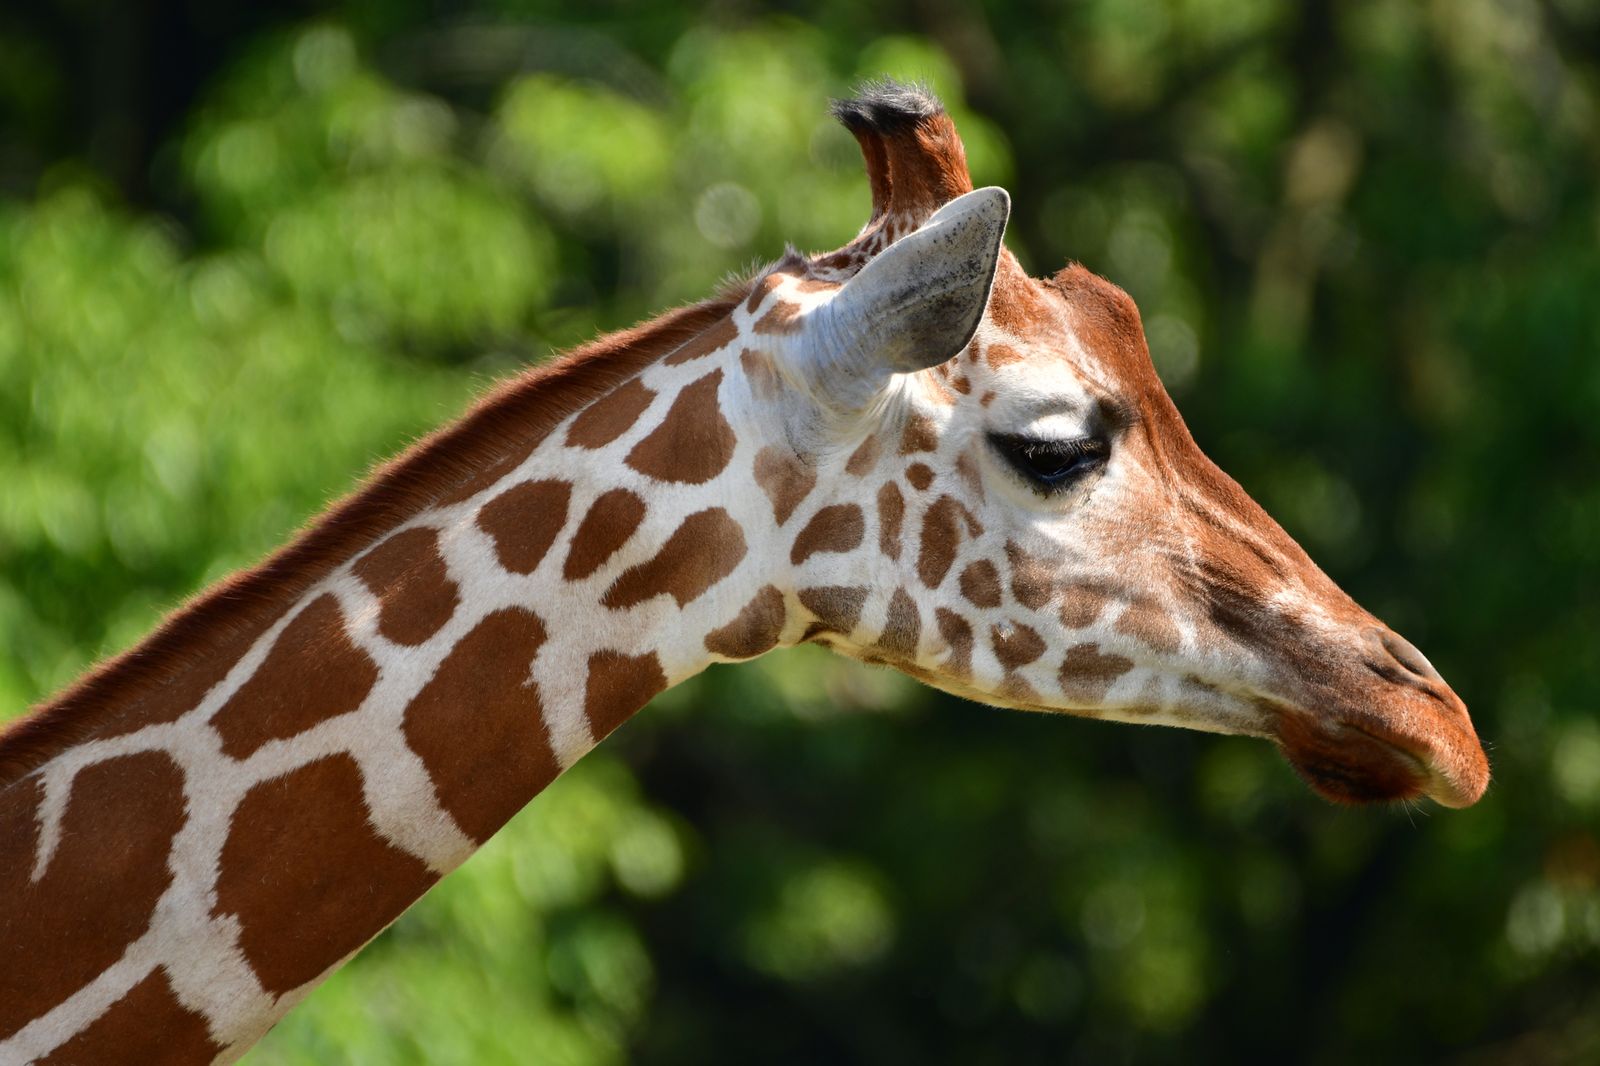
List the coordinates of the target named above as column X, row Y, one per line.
column 202, row 851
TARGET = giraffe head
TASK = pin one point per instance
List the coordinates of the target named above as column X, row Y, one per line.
column 981, row 481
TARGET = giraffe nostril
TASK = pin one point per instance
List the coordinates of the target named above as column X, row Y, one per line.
column 1404, row 654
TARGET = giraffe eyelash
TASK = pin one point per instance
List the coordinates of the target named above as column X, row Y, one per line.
column 1052, row 466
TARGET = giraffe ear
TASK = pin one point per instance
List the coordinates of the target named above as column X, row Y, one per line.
column 917, row 303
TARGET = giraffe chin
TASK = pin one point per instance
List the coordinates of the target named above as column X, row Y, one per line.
column 1350, row 764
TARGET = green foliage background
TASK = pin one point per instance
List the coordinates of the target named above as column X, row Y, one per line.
column 246, row 252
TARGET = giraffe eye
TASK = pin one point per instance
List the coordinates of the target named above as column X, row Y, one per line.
column 1052, row 465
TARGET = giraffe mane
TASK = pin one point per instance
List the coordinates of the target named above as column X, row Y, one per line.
column 507, row 422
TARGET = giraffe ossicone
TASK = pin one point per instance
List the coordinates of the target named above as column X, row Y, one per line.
column 906, row 450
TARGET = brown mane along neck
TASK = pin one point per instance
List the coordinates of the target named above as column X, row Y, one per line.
column 176, row 661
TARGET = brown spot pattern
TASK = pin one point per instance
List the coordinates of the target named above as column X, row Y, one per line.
column 920, row 475
column 610, row 416
column 754, row 631
column 967, row 471
column 618, row 686
column 408, row 575
column 489, row 475
column 312, row 673
column 941, row 536
column 781, row 318
column 524, row 521
column 838, row 527
column 1080, row 605
column 706, row 343
column 184, row 692
column 612, row 519
column 693, row 443
column 1000, row 355
column 98, row 893
column 958, row 634
column 760, row 290
column 307, row 876
column 862, row 459
column 478, row 724
column 148, row 1025
column 1086, row 674
column 1032, row 581
column 701, row 552
column 891, row 515
column 920, row 435
column 1015, row 645
column 786, row 478
column 980, row 584
column 761, row 372
column 1147, row 623
column 903, row 626
column 837, row 607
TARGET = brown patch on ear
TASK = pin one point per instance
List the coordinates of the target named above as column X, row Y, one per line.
column 958, row 634
column 1016, row 645
column 1087, row 675
column 1000, row 355
column 1032, row 581
column 866, row 454
column 761, row 373
column 716, row 337
column 706, row 548
column 1080, row 605
column 99, row 891
column 754, row 631
column 610, row 416
column 307, row 876
column 611, row 521
column 903, row 626
column 781, row 318
column 478, row 724
column 786, row 478
column 891, row 513
column 920, row 475
column 312, row 673
column 694, row 443
column 980, row 584
column 837, row 607
column 147, row 1025
column 941, row 537
column 920, row 435
column 524, row 521
column 618, row 686
column 1147, row 623
column 413, row 586
column 838, row 527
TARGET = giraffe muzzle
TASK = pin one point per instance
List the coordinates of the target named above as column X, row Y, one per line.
column 1394, row 731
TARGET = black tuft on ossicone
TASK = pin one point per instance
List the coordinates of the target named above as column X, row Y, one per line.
column 884, row 105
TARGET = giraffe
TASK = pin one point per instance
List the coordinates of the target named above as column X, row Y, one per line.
column 906, row 450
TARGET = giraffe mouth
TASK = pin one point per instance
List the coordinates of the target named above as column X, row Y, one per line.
column 1369, row 762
